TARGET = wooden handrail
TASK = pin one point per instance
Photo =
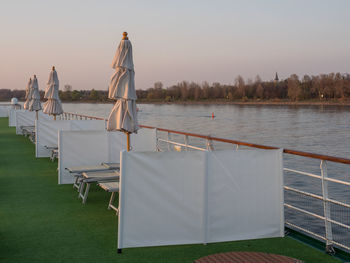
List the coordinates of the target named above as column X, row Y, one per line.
column 253, row 145
column 259, row 146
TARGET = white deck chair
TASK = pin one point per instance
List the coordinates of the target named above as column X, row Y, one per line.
column 96, row 177
column 29, row 131
column 111, row 187
column 53, row 150
column 78, row 170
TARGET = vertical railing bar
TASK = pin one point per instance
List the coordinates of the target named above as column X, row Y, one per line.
column 209, row 144
column 326, row 208
column 186, row 142
column 169, row 137
column 157, row 141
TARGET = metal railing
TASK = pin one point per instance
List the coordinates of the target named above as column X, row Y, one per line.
column 15, row 106
column 75, row 116
column 322, row 208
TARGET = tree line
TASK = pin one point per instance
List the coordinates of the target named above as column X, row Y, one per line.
column 333, row 86
column 66, row 95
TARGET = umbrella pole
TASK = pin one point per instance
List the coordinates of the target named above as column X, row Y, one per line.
column 128, row 141
column 36, row 114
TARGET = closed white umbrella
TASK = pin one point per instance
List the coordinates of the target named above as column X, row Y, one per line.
column 28, row 95
column 123, row 116
column 35, row 100
column 53, row 104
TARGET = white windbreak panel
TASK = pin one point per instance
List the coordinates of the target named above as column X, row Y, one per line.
column 245, row 195
column 79, row 148
column 12, row 117
column 198, row 197
column 27, row 118
column 46, row 132
column 4, row 110
column 24, row 118
column 91, row 125
column 144, row 140
column 162, row 198
column 116, row 143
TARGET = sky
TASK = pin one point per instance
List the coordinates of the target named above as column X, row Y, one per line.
column 190, row 40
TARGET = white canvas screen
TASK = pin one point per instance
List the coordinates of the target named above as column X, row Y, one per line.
column 24, row 118
column 12, row 117
column 27, row 118
column 245, row 195
column 161, row 199
column 77, row 125
column 173, row 198
column 47, row 132
column 46, row 135
column 4, row 110
column 80, row 148
column 143, row 140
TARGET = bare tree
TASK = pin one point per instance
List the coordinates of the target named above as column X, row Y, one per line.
column 239, row 82
column 293, row 87
column 259, row 91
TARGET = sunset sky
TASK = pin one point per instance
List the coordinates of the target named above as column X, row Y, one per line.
column 172, row 41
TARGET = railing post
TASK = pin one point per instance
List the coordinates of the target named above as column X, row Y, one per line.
column 186, row 142
column 326, row 209
column 210, row 146
column 169, row 137
column 157, row 141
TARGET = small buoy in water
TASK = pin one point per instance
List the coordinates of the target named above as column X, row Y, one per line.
column 212, row 115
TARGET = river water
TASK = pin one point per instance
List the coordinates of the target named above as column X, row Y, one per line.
column 318, row 129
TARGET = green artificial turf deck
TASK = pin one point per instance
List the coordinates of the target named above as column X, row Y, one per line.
column 41, row 221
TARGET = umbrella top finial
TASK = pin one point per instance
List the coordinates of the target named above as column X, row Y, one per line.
column 125, row 36
column 53, row 67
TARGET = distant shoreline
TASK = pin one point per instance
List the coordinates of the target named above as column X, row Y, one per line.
column 253, row 103
column 225, row 102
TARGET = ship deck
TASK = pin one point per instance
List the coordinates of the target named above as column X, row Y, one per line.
column 41, row 221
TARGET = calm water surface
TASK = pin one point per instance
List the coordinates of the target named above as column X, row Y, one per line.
column 318, row 129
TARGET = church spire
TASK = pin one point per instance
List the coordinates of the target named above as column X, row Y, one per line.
column 276, row 77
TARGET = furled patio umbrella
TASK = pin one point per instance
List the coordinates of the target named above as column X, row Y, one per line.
column 123, row 116
column 28, row 95
column 53, row 104
column 35, row 100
